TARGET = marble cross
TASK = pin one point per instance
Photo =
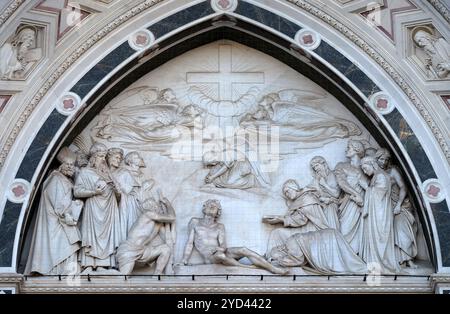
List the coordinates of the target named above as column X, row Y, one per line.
column 225, row 77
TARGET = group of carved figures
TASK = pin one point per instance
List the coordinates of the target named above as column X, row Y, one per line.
column 89, row 221
column 359, row 213
column 349, row 220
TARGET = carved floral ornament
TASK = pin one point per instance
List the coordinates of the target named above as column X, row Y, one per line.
column 224, row 5
column 19, row 190
column 382, row 103
column 141, row 40
column 308, row 39
column 433, row 191
column 68, row 104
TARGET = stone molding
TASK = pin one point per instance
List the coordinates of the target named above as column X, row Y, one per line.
column 441, row 8
column 9, row 11
column 202, row 285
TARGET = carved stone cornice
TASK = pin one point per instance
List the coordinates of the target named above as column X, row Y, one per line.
column 361, row 43
column 10, row 9
column 441, row 8
column 439, row 279
column 174, row 285
column 11, row 278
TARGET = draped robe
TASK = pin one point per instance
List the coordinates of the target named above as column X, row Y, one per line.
column 349, row 211
column 377, row 245
column 130, row 208
column 100, row 227
column 304, row 214
column 325, row 251
column 55, row 243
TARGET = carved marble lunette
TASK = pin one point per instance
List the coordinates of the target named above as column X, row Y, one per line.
column 113, row 188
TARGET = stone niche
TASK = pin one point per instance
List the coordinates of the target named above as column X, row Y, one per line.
column 22, row 52
column 266, row 172
column 430, row 51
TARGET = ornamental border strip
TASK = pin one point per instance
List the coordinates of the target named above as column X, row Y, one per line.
column 10, row 10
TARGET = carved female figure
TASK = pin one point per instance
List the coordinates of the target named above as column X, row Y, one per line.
column 326, row 186
column 377, row 245
column 350, row 179
column 405, row 226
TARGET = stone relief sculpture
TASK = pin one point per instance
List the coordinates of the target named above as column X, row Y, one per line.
column 153, row 120
column 146, row 118
column 57, row 238
column 405, row 226
column 351, row 180
column 437, row 51
column 17, row 56
column 301, row 124
column 233, row 173
column 147, row 239
column 208, row 237
column 323, row 251
column 132, row 188
column 304, row 214
column 336, row 215
column 326, row 185
column 100, row 226
column 377, row 245
column 306, row 239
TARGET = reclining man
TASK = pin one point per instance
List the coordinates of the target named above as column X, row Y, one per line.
column 208, row 237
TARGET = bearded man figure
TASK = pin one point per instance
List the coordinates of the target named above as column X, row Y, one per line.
column 100, row 227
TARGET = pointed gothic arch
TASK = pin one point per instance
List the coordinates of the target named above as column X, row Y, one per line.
column 268, row 29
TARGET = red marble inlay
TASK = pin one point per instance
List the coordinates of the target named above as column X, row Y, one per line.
column 3, row 101
column 18, row 191
column 382, row 103
column 224, row 4
column 68, row 104
column 433, row 190
column 141, row 40
column 446, row 100
column 308, row 39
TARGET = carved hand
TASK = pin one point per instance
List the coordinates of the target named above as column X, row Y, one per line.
column 358, row 200
column 271, row 220
column 69, row 220
column 325, row 200
column 397, row 209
